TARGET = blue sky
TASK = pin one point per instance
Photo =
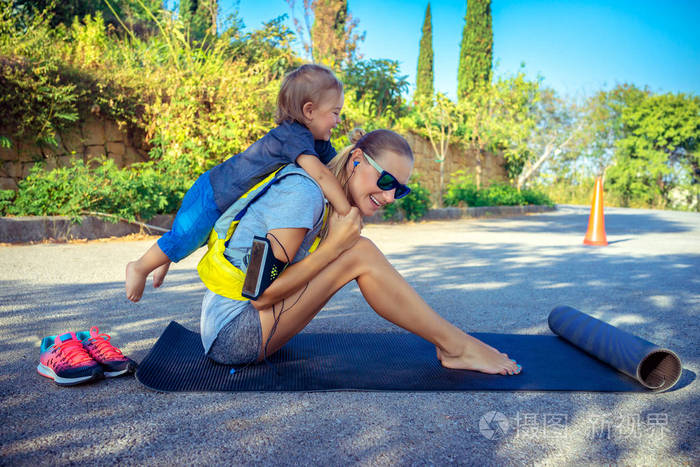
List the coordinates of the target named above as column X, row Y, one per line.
column 578, row 47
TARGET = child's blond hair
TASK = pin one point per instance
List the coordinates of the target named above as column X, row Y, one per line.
column 308, row 83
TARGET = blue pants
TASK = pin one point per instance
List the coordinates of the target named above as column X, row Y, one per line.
column 193, row 221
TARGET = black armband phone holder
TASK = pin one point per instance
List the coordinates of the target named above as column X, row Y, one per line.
column 263, row 268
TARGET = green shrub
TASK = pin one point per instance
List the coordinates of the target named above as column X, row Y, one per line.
column 499, row 194
column 186, row 102
column 6, row 199
column 390, row 210
column 462, row 191
column 536, row 197
column 570, row 192
column 136, row 192
column 415, row 205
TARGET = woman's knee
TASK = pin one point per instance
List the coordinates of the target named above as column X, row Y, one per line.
column 364, row 253
column 368, row 247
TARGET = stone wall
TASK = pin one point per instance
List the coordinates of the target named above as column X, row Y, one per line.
column 95, row 137
column 492, row 165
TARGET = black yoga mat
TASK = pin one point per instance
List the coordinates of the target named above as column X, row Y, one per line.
column 376, row 362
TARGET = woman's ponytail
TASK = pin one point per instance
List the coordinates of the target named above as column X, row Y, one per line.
column 356, row 135
column 336, row 166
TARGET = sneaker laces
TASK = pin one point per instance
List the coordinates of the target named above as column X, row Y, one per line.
column 73, row 352
column 104, row 348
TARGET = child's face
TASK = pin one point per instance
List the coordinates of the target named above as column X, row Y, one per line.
column 322, row 118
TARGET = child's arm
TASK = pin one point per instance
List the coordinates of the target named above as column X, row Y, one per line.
column 330, row 185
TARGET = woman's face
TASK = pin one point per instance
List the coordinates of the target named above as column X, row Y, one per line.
column 364, row 192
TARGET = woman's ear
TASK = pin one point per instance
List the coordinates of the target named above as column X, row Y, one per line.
column 355, row 157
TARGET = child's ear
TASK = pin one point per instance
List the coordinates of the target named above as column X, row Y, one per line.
column 308, row 110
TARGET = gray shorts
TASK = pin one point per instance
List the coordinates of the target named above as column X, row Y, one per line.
column 239, row 342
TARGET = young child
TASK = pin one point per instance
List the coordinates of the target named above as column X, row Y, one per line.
column 308, row 108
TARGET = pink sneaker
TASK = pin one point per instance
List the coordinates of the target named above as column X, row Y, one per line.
column 64, row 360
column 113, row 362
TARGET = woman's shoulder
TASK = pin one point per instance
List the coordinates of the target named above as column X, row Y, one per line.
column 292, row 177
column 293, row 201
column 294, row 189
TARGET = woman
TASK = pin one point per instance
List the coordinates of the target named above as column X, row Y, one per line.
column 290, row 213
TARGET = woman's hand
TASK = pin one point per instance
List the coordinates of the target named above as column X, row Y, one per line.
column 344, row 231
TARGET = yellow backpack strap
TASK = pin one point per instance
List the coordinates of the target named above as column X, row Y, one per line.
column 217, row 272
column 317, row 240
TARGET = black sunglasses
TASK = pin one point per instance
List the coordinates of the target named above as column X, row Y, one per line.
column 387, row 181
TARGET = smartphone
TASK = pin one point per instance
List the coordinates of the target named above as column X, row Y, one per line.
column 256, row 265
column 263, row 268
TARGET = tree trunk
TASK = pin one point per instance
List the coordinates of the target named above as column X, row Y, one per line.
column 533, row 169
column 442, row 178
column 478, row 169
column 695, row 173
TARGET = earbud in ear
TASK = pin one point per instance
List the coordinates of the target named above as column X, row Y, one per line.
column 356, row 163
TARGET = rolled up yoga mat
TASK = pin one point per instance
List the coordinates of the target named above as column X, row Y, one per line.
column 401, row 361
column 653, row 366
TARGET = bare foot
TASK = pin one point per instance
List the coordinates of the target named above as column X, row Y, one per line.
column 159, row 274
column 481, row 357
column 135, row 282
column 439, row 354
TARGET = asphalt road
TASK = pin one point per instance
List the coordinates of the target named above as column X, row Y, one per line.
column 492, row 275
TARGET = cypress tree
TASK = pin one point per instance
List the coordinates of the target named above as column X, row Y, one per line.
column 424, row 75
column 200, row 17
column 334, row 44
column 188, row 10
column 476, row 52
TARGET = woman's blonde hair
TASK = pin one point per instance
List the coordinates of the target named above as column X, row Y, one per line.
column 308, row 83
column 374, row 144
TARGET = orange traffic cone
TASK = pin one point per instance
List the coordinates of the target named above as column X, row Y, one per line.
column 596, row 221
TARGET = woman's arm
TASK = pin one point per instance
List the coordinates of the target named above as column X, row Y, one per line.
column 343, row 233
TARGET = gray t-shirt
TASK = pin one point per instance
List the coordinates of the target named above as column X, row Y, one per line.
column 296, row 201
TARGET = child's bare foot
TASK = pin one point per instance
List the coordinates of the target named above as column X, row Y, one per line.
column 159, row 274
column 135, row 281
column 479, row 356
